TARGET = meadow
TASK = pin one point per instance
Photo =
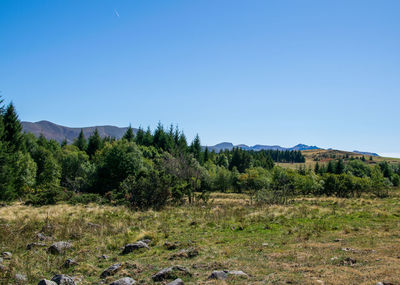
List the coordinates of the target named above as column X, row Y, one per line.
column 311, row 240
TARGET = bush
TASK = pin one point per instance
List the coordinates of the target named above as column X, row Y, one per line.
column 86, row 198
column 48, row 196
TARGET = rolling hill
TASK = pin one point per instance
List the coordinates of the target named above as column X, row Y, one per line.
column 59, row 133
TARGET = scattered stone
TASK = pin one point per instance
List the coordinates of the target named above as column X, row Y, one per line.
column 176, row 282
column 146, row 241
column 1, row 260
column 384, row 283
column 2, row 268
column 35, row 244
column 111, row 270
column 92, row 225
column 218, row 274
column 6, row 255
column 124, row 281
column 43, row 237
column 185, row 253
column 62, row 279
column 320, row 282
column 59, row 247
column 70, row 262
column 20, row 278
column 349, row 249
column 222, row 275
column 172, row 272
column 349, row 261
column 334, row 258
column 46, row 282
column 171, row 245
column 103, row 256
column 134, row 246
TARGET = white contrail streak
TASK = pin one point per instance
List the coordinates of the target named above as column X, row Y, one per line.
column 116, row 13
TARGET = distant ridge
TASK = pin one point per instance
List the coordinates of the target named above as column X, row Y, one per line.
column 226, row 145
column 366, row 153
column 59, row 133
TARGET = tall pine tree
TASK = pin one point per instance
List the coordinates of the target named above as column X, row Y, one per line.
column 94, row 144
column 12, row 129
column 129, row 135
column 81, row 142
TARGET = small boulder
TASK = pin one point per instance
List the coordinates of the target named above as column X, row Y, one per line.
column 46, row 282
column 62, row 279
column 21, row 278
column 223, row 274
column 43, row 237
column 218, row 274
column 111, row 270
column 59, row 247
column 176, row 282
column 348, row 261
column 134, row 246
column 103, row 256
column 185, row 253
column 69, row 263
column 6, row 255
column 124, row 281
column 171, row 245
column 34, row 245
column 172, row 272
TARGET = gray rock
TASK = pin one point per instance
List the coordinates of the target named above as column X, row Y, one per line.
column 124, row 281
column 172, row 272
column 223, row 274
column 2, row 268
column 237, row 273
column 185, row 253
column 176, row 282
column 171, row 245
column 6, row 255
column 92, row 225
column 384, row 283
column 35, row 244
column 218, row 274
column 43, row 237
column 20, row 278
column 103, row 256
column 46, row 282
column 59, row 247
column 62, row 279
column 1, row 260
column 70, row 262
column 134, row 246
column 111, row 270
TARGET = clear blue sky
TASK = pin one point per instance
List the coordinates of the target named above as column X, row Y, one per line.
column 282, row 72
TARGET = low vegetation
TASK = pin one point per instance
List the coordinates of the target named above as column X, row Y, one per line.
column 308, row 241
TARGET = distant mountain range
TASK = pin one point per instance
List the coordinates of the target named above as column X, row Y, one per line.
column 366, row 153
column 59, row 133
column 227, row 145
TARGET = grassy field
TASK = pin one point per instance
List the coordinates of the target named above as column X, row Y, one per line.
column 323, row 156
column 310, row 241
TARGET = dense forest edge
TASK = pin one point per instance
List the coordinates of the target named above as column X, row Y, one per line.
column 153, row 169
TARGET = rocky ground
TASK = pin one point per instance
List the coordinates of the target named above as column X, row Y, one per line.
column 227, row 241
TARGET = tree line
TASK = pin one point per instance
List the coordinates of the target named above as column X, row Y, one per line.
column 151, row 169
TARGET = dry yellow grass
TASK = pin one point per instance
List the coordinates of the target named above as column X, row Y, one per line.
column 277, row 244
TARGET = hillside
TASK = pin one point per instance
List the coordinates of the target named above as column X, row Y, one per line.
column 229, row 146
column 59, row 133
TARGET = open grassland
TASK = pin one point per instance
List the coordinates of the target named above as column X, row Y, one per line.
column 309, row 241
column 323, row 156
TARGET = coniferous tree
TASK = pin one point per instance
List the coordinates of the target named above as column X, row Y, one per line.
column 195, row 148
column 339, row 167
column 64, row 142
column 129, row 135
column 12, row 129
column 206, row 155
column 81, row 142
column 329, row 169
column 316, row 168
column 94, row 143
